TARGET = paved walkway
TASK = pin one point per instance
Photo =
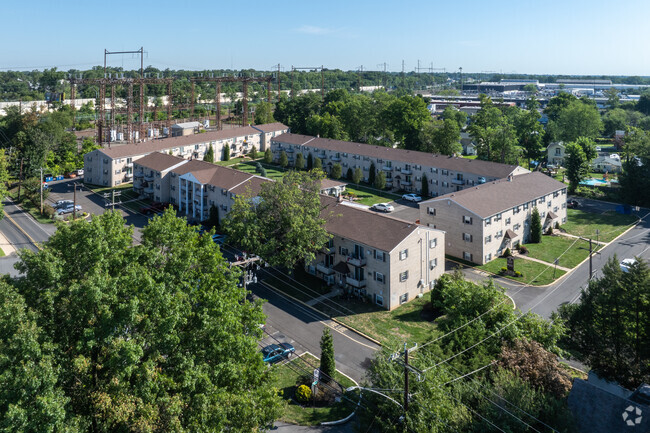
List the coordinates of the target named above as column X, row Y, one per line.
column 523, row 256
column 321, row 298
column 578, row 237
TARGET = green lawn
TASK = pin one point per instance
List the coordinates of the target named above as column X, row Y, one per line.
column 370, row 196
column 234, row 161
column 552, row 247
column 531, row 271
column 285, row 378
column 585, row 224
column 272, row 171
column 2, row 253
column 470, row 156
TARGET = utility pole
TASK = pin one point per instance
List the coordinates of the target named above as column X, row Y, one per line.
column 112, row 196
column 41, row 190
column 74, row 201
column 406, row 379
column 591, row 271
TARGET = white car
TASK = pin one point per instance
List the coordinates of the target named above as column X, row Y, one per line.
column 383, row 207
column 626, row 264
column 412, row 197
column 80, row 172
column 63, row 203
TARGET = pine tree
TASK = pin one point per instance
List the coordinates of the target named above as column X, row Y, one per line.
column 350, row 174
column 357, row 176
column 310, row 162
column 254, row 152
column 226, row 152
column 318, row 164
column 380, row 181
column 268, row 156
column 300, row 162
column 284, row 159
column 327, row 362
column 372, row 174
column 209, row 155
column 337, row 171
column 425, row 186
column 535, row 227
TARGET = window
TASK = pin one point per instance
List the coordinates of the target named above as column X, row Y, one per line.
column 403, row 254
column 548, row 204
column 507, row 221
column 488, row 239
column 563, row 204
column 343, row 251
column 541, row 200
column 525, row 206
column 404, row 298
column 497, row 217
column 434, row 170
column 516, row 210
column 516, row 226
column 403, row 276
column 379, row 277
column 117, row 182
column 488, row 221
column 118, row 171
column 433, row 263
column 379, row 300
column 563, row 220
column 431, row 211
column 499, row 234
column 558, row 151
column 467, row 219
column 445, row 172
column 433, row 243
column 467, row 237
column 555, row 209
column 445, row 184
column 467, row 256
column 380, row 256
column 488, row 257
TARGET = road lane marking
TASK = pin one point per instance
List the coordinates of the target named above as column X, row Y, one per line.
column 23, row 231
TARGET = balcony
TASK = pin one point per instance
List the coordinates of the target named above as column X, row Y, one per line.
column 406, row 171
column 139, row 174
column 288, row 150
column 324, row 269
column 148, row 189
column 329, row 250
column 335, row 158
column 387, row 168
column 355, row 261
column 406, row 183
column 458, row 181
column 129, row 164
column 322, row 156
column 355, row 283
column 128, row 176
column 148, row 177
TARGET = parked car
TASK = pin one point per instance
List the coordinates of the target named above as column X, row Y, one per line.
column 412, row 197
column 63, row 203
column 626, row 264
column 80, row 172
column 219, row 239
column 572, row 204
column 383, row 207
column 69, row 209
column 277, row 352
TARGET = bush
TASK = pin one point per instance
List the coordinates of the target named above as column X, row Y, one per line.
column 303, row 394
column 258, row 167
column 48, row 211
column 518, row 274
column 522, row 249
column 263, row 172
column 503, row 270
column 507, row 253
column 557, row 225
column 549, row 230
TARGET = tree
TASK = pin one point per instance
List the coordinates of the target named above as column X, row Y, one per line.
column 284, row 159
column 406, row 116
column 493, row 131
column 441, row 137
column 357, row 176
column 372, row 174
column 613, row 100
column 576, row 165
column 530, row 132
column 226, row 152
column 610, row 326
column 337, row 171
column 283, row 224
column 380, row 180
column 264, row 113
column 158, row 337
column 310, row 161
column 4, row 178
column 300, row 162
column 349, row 175
column 425, row 186
column 615, row 119
column 635, row 178
column 209, row 154
column 453, row 113
column 579, row 119
column 268, row 156
column 254, row 152
column 327, row 362
column 535, row 227
column 318, row 164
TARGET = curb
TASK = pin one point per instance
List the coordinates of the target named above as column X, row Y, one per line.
column 322, row 314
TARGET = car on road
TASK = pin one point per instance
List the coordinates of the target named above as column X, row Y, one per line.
column 626, row 264
column 412, row 197
column 68, row 209
column 219, row 239
column 63, row 203
column 383, row 207
column 277, row 352
column 572, row 204
column 80, row 172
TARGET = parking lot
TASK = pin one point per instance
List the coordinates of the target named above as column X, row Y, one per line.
column 404, row 210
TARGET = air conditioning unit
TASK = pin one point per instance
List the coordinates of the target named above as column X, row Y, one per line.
column 421, row 283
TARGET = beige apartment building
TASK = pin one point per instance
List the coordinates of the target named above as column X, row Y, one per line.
column 389, row 260
column 481, row 222
column 114, row 166
column 404, row 169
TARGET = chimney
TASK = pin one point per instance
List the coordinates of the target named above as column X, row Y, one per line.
column 509, row 178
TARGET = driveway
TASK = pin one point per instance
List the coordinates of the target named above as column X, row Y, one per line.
column 405, row 210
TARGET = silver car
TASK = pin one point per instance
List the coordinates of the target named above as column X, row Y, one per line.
column 383, row 207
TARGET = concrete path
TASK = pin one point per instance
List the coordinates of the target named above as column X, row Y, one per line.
column 532, row 259
column 321, row 298
column 578, row 237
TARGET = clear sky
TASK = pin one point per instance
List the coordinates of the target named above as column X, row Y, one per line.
column 523, row 36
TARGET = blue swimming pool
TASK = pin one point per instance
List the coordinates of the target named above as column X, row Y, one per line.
column 594, row 182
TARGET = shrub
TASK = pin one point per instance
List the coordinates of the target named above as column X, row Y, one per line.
column 258, row 167
column 549, row 230
column 522, row 249
column 263, row 172
column 557, row 225
column 507, row 253
column 48, row 211
column 503, row 270
column 518, row 274
column 303, row 394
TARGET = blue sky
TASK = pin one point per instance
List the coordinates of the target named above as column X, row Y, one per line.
column 524, row 36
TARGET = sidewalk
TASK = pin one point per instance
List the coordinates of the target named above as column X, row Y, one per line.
column 578, row 237
column 6, row 246
column 522, row 256
column 321, row 298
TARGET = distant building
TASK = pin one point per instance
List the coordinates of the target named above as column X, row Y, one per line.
column 332, row 187
column 185, row 128
column 604, row 164
column 555, row 153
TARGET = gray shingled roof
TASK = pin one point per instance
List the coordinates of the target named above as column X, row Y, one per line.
column 360, row 225
column 475, row 166
column 270, row 127
column 493, row 197
column 159, row 161
column 187, row 140
column 222, row 177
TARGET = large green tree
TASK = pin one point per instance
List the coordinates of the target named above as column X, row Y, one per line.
column 576, row 164
column 535, row 227
column 530, row 132
column 300, row 162
column 283, row 224
column 209, row 154
column 579, row 119
column 327, row 362
column 493, row 131
column 610, row 326
column 156, row 335
column 264, row 113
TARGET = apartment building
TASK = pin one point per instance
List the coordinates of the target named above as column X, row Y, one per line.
column 114, row 166
column 390, row 260
column 404, row 169
column 193, row 186
column 481, row 222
